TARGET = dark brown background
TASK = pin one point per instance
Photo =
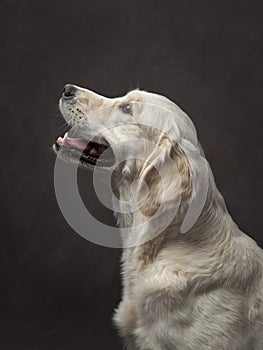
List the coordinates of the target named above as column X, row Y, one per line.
column 58, row 290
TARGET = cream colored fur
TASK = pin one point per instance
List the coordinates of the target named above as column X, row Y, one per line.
column 198, row 290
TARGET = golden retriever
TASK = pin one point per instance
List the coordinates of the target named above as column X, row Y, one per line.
column 191, row 279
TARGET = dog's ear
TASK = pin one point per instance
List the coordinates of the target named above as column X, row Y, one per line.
column 165, row 177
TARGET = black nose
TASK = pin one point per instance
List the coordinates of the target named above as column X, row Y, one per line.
column 69, row 90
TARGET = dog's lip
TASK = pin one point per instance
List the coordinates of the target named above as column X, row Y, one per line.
column 91, row 152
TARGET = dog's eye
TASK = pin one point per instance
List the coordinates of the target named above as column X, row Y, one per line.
column 126, row 108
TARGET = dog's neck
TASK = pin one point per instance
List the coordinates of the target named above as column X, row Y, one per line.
column 193, row 253
column 207, row 227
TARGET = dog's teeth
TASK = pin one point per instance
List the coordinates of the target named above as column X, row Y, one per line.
column 60, row 140
column 93, row 151
column 64, row 138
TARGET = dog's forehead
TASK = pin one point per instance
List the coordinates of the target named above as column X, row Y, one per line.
column 146, row 97
column 135, row 95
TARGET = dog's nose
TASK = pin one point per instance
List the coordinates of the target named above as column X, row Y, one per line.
column 69, row 90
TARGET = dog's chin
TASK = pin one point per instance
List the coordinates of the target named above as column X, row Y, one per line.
column 78, row 150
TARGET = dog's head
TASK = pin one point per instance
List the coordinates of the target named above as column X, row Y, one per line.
column 142, row 136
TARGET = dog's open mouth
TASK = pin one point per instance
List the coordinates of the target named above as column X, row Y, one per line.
column 91, row 153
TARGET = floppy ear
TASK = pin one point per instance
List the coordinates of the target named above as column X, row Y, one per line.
column 167, row 174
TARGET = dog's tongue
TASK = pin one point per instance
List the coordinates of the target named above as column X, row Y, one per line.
column 77, row 143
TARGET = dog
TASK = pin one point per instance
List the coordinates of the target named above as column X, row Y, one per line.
column 191, row 279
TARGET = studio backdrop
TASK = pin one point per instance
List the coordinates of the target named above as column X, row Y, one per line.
column 58, row 290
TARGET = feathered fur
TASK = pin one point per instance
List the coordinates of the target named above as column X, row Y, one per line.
column 197, row 290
